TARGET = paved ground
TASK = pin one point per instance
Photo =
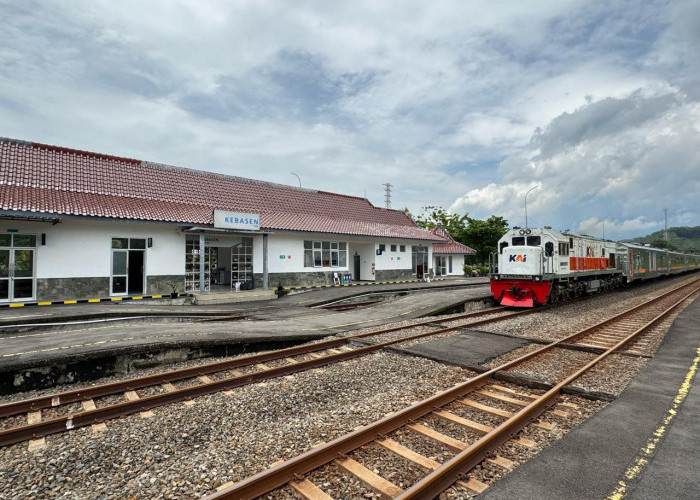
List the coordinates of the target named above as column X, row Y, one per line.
column 471, row 349
column 634, row 448
column 287, row 318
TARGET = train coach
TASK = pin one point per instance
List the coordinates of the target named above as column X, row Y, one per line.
column 541, row 265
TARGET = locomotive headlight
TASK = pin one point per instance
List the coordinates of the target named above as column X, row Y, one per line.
column 538, row 278
column 528, row 231
column 521, row 232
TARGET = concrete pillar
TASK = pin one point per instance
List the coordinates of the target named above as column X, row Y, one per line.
column 266, row 277
column 202, row 250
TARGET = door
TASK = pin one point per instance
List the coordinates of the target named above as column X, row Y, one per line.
column 17, row 267
column 22, row 283
column 135, row 269
column 128, row 259
column 356, row 267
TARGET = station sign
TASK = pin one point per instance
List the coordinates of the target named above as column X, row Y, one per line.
column 236, row 220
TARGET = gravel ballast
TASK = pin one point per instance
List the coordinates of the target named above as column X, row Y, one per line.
column 186, row 451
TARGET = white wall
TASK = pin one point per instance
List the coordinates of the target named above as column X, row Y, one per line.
column 291, row 247
column 82, row 248
column 457, row 263
column 393, row 260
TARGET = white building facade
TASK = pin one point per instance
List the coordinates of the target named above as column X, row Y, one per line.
column 80, row 225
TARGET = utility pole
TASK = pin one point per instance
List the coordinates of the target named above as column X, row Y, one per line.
column 387, row 194
column 666, row 224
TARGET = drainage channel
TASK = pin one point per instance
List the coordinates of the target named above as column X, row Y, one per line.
column 125, row 363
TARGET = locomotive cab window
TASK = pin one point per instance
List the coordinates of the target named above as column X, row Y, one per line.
column 534, row 241
column 503, row 245
column 548, row 248
column 518, row 241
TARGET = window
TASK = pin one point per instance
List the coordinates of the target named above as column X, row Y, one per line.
column 308, row 254
column 548, row 249
column 402, row 248
column 382, row 248
column 24, row 240
column 534, row 241
column 503, row 245
column 325, row 254
column 449, row 263
column 518, row 241
column 563, row 249
column 393, row 248
column 317, row 254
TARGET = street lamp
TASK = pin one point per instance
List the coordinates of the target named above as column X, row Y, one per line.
column 604, row 223
column 533, row 187
column 298, row 178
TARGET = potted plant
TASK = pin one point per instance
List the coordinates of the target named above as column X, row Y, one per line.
column 173, row 290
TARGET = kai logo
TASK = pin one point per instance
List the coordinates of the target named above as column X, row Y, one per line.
column 517, row 258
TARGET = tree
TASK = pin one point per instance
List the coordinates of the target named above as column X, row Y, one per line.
column 433, row 216
column 483, row 236
column 659, row 243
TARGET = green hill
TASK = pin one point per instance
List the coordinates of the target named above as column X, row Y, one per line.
column 684, row 239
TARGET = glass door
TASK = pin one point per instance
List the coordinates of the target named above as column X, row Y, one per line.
column 4, row 274
column 192, row 259
column 23, row 274
column 242, row 264
column 17, row 263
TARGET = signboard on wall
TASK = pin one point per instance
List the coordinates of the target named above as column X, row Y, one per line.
column 236, row 220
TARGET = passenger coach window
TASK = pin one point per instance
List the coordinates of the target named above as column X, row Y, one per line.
column 518, row 240
column 534, row 241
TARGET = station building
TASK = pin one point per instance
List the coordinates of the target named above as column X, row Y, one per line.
column 76, row 224
column 448, row 256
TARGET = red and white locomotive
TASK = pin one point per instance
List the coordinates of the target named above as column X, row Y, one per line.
column 540, row 265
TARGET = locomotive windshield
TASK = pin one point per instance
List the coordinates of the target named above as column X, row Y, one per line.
column 534, row 241
column 518, row 240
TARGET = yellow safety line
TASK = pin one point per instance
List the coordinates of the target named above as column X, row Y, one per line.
column 642, row 459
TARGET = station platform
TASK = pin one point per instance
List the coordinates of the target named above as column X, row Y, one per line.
column 644, row 445
column 111, row 332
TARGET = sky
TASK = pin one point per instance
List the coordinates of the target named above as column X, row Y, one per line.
column 466, row 105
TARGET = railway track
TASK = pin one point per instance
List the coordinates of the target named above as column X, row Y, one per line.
column 34, row 418
column 459, row 406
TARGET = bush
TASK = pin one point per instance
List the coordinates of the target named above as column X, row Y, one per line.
column 467, row 269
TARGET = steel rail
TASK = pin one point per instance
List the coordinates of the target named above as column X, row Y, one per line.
column 268, row 480
column 80, row 419
column 442, row 478
column 76, row 395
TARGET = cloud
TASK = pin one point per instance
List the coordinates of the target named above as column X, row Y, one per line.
column 455, row 103
column 632, row 157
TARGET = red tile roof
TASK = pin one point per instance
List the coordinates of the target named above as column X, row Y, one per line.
column 451, row 246
column 49, row 179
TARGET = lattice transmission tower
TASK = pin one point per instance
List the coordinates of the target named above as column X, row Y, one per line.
column 387, row 194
